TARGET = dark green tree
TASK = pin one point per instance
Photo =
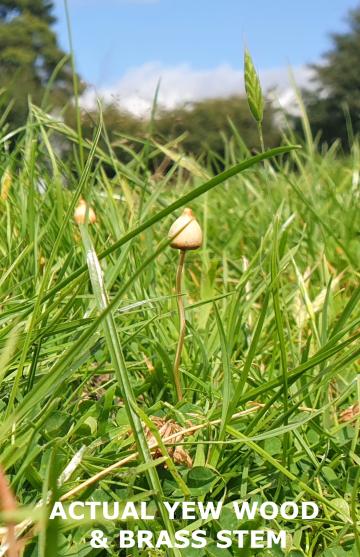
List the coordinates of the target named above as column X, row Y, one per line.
column 336, row 100
column 204, row 126
column 29, row 54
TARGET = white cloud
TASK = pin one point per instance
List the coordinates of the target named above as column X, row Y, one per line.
column 182, row 84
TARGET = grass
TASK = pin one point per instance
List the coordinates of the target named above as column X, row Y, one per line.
column 88, row 334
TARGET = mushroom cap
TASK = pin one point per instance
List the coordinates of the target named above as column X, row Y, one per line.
column 185, row 233
column 80, row 213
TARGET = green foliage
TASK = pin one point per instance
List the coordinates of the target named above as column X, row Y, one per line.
column 29, row 56
column 39, row 8
column 334, row 107
column 273, row 308
column 124, row 131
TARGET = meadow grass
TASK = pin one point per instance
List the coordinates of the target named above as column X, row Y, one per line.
column 88, row 334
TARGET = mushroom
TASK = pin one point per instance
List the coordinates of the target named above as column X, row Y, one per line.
column 84, row 212
column 185, row 234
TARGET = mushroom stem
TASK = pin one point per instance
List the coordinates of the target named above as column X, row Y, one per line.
column 181, row 309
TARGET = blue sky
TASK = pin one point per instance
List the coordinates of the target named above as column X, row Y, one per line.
column 120, row 44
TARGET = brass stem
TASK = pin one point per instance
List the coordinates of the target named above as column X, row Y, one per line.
column 182, row 326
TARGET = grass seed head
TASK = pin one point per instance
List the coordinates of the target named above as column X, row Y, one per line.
column 185, row 233
column 80, row 213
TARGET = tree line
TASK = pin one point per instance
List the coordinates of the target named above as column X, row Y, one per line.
column 33, row 66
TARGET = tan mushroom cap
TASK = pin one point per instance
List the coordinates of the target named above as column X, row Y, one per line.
column 80, row 213
column 185, row 233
